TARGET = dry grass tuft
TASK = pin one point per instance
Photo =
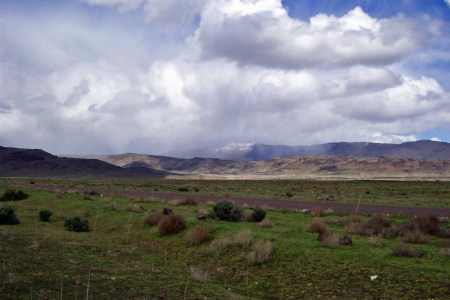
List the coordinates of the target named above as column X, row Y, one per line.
column 218, row 245
column 59, row 194
column 87, row 197
column 318, row 212
column 184, row 201
column 133, row 208
column 375, row 241
column 316, row 225
column 265, row 224
column 330, row 241
column 243, row 238
column 445, row 248
column 246, row 216
column 153, row 218
column 353, row 228
column 150, row 199
column 106, row 200
column 198, row 274
column 198, row 234
column 111, row 229
column 350, row 219
column 261, row 251
column 201, row 209
column 376, row 224
column 416, row 237
column 332, row 221
column 171, row 224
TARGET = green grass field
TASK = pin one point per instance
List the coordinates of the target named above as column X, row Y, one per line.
column 401, row 193
column 120, row 257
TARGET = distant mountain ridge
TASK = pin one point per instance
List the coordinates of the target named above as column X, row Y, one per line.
column 294, row 167
column 38, row 163
column 16, row 162
column 423, row 149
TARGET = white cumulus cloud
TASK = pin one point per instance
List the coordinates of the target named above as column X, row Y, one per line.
column 262, row 33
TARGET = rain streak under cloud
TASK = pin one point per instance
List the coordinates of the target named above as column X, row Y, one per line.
column 150, row 76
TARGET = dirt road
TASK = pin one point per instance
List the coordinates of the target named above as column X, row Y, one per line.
column 270, row 203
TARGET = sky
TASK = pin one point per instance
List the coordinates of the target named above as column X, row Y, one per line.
column 152, row 76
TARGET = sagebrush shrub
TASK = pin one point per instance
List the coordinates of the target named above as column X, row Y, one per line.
column 185, row 201
column 8, row 215
column 401, row 251
column 227, row 211
column 258, row 214
column 45, row 215
column 92, row 193
column 76, row 223
column 153, row 218
column 13, row 195
column 425, row 224
column 198, row 234
column 171, row 224
column 375, row 224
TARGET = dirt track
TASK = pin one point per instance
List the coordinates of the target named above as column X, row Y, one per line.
column 272, row 203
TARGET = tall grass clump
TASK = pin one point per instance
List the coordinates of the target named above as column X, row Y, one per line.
column 133, row 208
column 76, row 223
column 330, row 241
column 198, row 234
column 261, row 251
column 227, row 211
column 44, row 215
column 243, row 238
column 416, row 237
column 13, row 195
column 8, row 216
column 153, row 218
column 217, row 245
column 316, row 225
column 318, row 212
column 171, row 224
column 265, row 224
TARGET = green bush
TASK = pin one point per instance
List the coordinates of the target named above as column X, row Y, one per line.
column 8, row 216
column 13, row 195
column 258, row 214
column 77, row 223
column 45, row 215
column 227, row 211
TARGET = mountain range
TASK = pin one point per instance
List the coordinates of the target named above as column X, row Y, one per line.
column 423, row 149
column 16, row 162
column 346, row 162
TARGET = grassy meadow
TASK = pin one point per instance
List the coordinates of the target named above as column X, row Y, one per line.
column 121, row 257
column 402, row 193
